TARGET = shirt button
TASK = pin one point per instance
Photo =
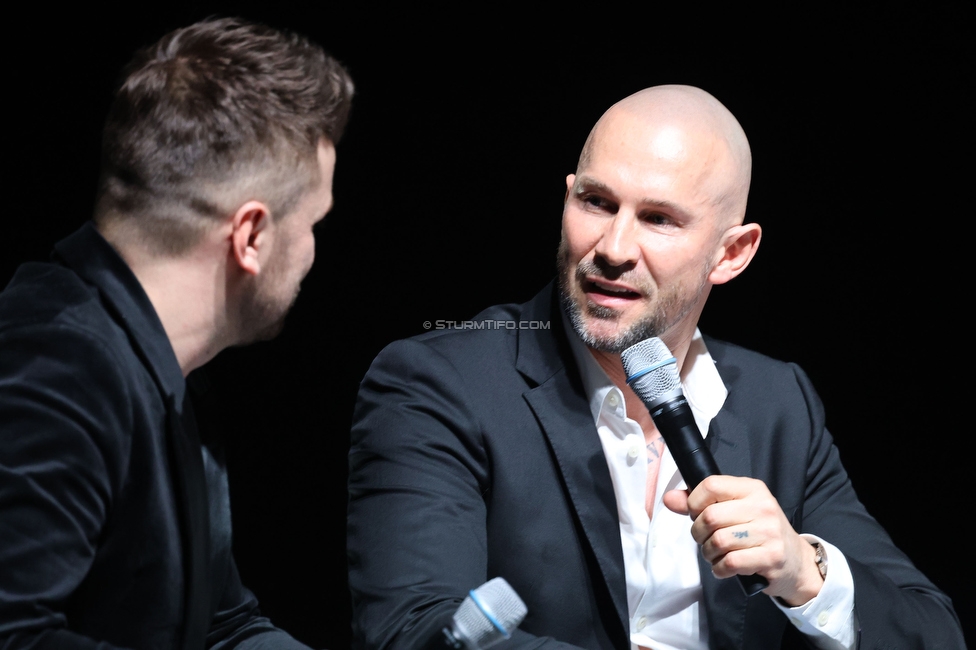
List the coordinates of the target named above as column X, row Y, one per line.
column 634, row 451
column 613, row 399
column 797, row 622
column 641, row 622
column 823, row 618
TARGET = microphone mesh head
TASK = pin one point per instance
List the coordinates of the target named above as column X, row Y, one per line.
column 498, row 601
column 661, row 380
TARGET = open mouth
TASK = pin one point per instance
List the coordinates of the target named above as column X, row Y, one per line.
column 608, row 289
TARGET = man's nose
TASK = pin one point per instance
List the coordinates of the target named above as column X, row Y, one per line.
column 618, row 244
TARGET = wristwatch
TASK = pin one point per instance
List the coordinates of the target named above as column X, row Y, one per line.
column 821, row 558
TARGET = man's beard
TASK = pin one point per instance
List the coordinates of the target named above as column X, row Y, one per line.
column 666, row 311
column 262, row 314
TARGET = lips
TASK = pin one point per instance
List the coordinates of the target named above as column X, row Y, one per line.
column 608, row 293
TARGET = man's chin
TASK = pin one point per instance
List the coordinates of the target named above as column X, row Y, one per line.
column 599, row 333
column 272, row 331
column 606, row 330
column 265, row 332
column 601, row 327
column 601, row 313
column 607, row 339
column 265, row 320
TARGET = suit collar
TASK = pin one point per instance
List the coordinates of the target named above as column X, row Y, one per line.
column 89, row 255
column 543, row 352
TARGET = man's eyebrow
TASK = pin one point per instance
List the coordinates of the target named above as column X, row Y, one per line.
column 585, row 183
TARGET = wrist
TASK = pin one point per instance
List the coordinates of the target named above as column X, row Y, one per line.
column 810, row 577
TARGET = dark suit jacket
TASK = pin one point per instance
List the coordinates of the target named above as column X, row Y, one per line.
column 115, row 523
column 474, row 455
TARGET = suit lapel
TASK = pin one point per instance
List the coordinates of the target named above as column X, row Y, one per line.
column 193, row 507
column 561, row 408
column 729, row 443
column 576, row 447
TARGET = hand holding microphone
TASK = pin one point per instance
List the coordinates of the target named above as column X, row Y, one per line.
column 652, row 373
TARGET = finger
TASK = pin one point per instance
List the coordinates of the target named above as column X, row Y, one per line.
column 746, row 561
column 728, row 540
column 676, row 501
column 719, row 488
column 746, row 550
column 718, row 516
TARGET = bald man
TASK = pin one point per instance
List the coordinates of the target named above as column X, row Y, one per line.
column 513, row 446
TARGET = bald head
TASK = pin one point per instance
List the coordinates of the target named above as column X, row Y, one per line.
column 686, row 125
column 653, row 218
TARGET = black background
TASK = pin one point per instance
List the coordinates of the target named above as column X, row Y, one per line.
column 449, row 188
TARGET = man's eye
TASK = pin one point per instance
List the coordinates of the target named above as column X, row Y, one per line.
column 595, row 201
column 658, row 219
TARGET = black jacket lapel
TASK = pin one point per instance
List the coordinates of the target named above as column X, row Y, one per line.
column 562, row 410
column 191, row 489
column 579, row 455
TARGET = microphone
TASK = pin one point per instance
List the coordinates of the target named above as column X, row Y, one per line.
column 652, row 373
column 488, row 615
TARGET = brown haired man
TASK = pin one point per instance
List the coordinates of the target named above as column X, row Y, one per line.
column 218, row 156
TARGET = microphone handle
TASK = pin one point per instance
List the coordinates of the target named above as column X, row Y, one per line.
column 676, row 423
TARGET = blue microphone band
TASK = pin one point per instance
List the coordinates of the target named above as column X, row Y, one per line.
column 651, row 368
column 488, row 614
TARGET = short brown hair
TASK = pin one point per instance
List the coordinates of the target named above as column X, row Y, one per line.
column 212, row 115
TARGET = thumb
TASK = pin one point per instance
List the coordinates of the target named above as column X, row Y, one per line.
column 676, row 501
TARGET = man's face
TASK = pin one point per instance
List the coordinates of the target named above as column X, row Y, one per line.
column 276, row 288
column 641, row 230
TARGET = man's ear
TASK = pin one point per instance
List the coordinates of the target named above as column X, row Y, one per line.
column 250, row 235
column 739, row 244
column 570, row 179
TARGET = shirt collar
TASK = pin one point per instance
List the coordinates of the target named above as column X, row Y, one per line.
column 700, row 382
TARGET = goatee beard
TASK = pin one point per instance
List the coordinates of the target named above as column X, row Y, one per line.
column 617, row 343
column 650, row 325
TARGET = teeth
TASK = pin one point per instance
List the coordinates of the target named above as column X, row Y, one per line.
column 611, row 289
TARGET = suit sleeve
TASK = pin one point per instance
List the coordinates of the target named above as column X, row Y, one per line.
column 417, row 540
column 57, row 476
column 237, row 622
column 896, row 605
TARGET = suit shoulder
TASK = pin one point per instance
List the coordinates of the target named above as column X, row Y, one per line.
column 42, row 294
column 734, row 355
column 48, row 312
column 725, row 353
column 752, row 376
column 492, row 330
column 742, row 366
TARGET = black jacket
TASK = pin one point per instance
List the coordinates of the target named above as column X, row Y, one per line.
column 115, row 521
column 474, row 455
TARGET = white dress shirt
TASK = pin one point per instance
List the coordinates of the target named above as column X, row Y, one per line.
column 664, row 594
